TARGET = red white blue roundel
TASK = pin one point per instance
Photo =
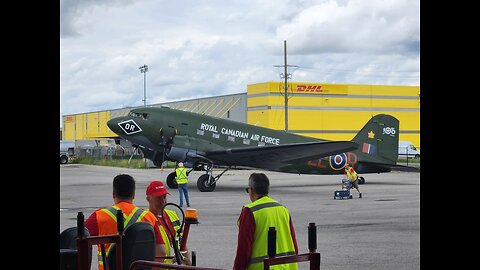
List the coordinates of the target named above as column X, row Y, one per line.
column 337, row 162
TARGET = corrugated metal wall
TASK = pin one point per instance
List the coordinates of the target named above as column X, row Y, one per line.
column 93, row 125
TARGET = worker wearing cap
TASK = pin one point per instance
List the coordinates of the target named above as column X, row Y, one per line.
column 254, row 222
column 104, row 220
column 182, row 181
column 352, row 176
column 169, row 223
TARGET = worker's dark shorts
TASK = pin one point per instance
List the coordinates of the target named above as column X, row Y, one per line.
column 354, row 184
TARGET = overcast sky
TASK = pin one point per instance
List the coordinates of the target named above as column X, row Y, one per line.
column 200, row 48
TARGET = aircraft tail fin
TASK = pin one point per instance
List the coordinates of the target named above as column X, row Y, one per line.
column 378, row 140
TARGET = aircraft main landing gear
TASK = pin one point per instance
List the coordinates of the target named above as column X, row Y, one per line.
column 207, row 182
column 171, row 183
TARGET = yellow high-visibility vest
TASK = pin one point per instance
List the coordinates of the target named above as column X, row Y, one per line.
column 182, row 177
column 176, row 226
column 270, row 213
column 352, row 176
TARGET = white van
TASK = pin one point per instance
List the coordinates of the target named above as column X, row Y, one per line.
column 406, row 149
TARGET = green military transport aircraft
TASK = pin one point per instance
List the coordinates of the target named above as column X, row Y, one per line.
column 201, row 141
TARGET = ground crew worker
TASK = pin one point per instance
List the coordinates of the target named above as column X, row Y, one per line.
column 104, row 221
column 182, row 181
column 352, row 176
column 157, row 198
column 254, row 222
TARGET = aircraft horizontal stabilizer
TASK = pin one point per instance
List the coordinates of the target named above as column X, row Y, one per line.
column 275, row 156
column 375, row 167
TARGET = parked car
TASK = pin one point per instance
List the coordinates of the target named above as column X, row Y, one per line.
column 67, row 150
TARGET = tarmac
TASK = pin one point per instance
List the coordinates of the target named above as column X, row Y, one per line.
column 379, row 231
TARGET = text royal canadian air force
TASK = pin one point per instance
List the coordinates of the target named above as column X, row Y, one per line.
column 240, row 134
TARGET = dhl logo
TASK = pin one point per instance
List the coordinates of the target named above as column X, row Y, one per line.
column 310, row 88
column 69, row 119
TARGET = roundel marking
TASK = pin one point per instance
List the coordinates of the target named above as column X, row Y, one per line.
column 337, row 162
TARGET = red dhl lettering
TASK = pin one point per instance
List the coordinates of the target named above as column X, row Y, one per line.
column 69, row 119
column 309, row 88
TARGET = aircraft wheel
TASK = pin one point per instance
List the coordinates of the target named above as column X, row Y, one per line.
column 171, row 183
column 361, row 180
column 63, row 159
column 203, row 185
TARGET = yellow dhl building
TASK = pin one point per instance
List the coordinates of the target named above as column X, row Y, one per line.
column 333, row 111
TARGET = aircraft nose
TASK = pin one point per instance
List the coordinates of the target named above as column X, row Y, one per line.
column 113, row 125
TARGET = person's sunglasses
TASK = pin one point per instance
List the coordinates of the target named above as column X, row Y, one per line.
column 246, row 189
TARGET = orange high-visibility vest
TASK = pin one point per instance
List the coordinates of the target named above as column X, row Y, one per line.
column 107, row 222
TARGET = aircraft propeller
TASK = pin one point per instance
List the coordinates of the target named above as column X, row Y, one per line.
column 166, row 136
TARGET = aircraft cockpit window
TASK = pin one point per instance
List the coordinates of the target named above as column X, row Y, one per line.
column 137, row 115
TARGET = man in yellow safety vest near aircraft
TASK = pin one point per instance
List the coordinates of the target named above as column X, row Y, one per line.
column 168, row 220
column 254, row 222
column 182, row 181
column 352, row 176
column 104, row 221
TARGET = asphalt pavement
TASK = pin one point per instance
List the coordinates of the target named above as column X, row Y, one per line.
column 379, row 231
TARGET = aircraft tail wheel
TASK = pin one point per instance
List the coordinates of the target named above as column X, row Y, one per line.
column 361, row 180
column 203, row 185
column 171, row 183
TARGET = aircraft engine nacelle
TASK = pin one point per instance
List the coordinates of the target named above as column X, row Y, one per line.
column 178, row 154
column 155, row 156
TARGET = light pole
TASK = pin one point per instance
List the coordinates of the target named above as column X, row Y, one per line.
column 144, row 69
column 286, row 76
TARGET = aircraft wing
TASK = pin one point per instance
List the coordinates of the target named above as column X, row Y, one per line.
column 276, row 156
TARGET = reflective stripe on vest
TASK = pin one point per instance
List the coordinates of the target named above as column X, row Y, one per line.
column 172, row 215
column 166, row 240
column 270, row 213
column 260, row 259
column 181, row 174
column 174, row 219
column 352, row 176
column 136, row 215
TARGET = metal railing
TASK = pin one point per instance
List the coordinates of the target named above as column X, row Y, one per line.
column 84, row 242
